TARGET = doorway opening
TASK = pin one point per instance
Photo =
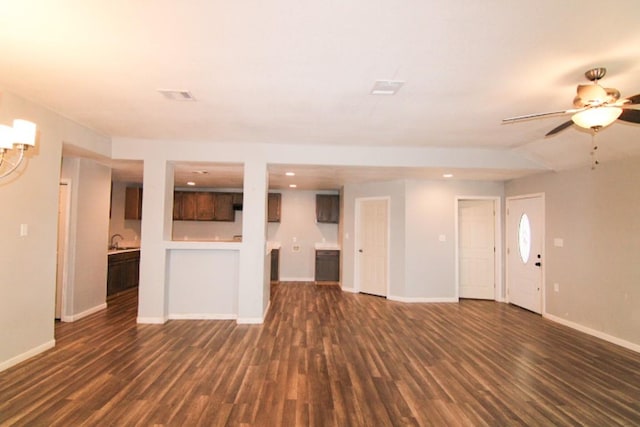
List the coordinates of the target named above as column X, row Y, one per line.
column 64, row 205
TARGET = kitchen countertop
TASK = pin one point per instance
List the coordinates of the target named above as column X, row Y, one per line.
column 120, row 251
column 325, row 246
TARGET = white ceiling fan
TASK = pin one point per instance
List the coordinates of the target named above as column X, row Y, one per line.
column 595, row 107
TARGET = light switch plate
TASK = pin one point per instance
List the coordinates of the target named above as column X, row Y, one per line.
column 24, row 230
column 558, row 242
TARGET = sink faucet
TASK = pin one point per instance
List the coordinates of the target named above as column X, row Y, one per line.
column 113, row 245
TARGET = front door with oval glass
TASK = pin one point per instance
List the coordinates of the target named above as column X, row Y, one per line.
column 525, row 231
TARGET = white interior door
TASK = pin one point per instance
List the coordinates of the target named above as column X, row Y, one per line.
column 63, row 216
column 372, row 245
column 525, row 237
column 476, row 248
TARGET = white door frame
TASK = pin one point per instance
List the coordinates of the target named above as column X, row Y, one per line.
column 542, row 247
column 499, row 294
column 357, row 238
column 65, row 255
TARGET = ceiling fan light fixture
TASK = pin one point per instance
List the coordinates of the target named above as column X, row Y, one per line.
column 596, row 117
column 593, row 94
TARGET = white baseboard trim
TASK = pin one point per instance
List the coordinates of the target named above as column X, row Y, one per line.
column 421, row 300
column 250, row 320
column 151, row 320
column 202, row 316
column 350, row 290
column 266, row 310
column 27, row 355
column 297, row 279
column 598, row 334
column 83, row 314
column 254, row 320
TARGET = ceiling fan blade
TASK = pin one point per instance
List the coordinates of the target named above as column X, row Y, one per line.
column 537, row 115
column 635, row 99
column 559, row 128
column 630, row 115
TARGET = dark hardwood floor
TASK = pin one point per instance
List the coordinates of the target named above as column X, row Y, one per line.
column 326, row 358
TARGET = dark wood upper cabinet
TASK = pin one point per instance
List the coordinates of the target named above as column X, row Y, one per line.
column 328, row 208
column 223, row 207
column 193, row 206
column 133, row 203
column 274, row 202
column 188, row 211
column 237, row 200
column 203, row 206
column 177, row 205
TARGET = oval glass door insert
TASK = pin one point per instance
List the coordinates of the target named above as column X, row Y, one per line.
column 524, row 238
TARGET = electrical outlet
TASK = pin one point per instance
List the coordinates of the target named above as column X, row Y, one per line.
column 556, row 287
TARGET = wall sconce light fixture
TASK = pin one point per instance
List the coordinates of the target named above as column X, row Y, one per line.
column 14, row 141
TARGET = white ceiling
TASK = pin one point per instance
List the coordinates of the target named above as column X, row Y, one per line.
column 300, row 72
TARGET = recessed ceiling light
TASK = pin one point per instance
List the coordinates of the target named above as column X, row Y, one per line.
column 191, row 183
column 292, row 186
column 201, row 172
column 386, row 87
column 447, row 175
column 177, row 95
column 290, row 174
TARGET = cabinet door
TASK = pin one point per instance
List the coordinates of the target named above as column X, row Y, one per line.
column 237, row 199
column 189, row 212
column 328, row 208
column 273, row 207
column 327, row 266
column 223, row 207
column 133, row 203
column 205, row 207
column 275, row 265
column 177, row 205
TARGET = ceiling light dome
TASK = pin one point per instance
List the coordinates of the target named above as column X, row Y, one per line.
column 596, row 117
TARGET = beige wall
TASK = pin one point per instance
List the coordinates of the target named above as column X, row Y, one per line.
column 129, row 229
column 597, row 215
column 28, row 263
column 421, row 266
column 430, row 214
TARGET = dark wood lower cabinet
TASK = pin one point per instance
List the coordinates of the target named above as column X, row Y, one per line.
column 327, row 266
column 275, row 265
column 123, row 271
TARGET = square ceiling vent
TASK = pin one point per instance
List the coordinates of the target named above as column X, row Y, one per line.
column 177, row 95
column 386, row 87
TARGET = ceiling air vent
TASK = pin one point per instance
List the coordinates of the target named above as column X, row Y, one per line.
column 177, row 95
column 386, row 87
